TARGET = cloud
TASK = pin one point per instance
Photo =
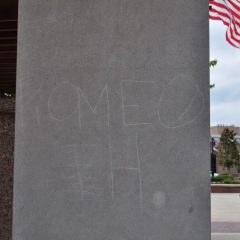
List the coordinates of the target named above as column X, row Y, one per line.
column 225, row 98
column 225, row 113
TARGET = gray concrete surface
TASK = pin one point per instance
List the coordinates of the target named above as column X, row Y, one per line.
column 225, row 207
column 225, row 211
column 225, row 236
column 112, row 123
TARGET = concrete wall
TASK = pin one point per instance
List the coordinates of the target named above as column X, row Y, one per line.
column 112, row 131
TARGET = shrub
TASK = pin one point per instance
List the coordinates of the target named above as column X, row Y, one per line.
column 223, row 178
column 217, row 178
column 228, row 181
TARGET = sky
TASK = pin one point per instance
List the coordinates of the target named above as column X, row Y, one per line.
column 225, row 97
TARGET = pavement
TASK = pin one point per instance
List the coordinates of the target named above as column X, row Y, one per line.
column 225, row 236
column 225, row 211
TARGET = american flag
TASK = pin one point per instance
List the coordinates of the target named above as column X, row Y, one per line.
column 227, row 11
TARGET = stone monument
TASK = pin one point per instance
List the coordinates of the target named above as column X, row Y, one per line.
column 112, row 123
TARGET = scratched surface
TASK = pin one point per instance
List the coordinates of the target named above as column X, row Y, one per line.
column 112, row 123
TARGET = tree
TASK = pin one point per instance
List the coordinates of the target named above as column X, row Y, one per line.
column 228, row 154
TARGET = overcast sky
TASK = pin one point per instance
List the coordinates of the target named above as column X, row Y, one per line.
column 225, row 97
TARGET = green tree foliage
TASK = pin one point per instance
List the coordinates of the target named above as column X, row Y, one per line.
column 228, row 155
column 212, row 63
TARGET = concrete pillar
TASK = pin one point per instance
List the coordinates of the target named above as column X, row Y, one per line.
column 112, row 124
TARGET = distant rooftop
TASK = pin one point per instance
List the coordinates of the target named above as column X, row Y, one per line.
column 216, row 131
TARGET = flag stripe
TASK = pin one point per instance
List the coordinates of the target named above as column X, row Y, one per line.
column 227, row 11
column 236, row 4
column 223, row 14
column 218, row 18
column 230, row 40
column 234, row 36
column 219, row 4
column 235, row 33
column 226, row 19
column 235, row 13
